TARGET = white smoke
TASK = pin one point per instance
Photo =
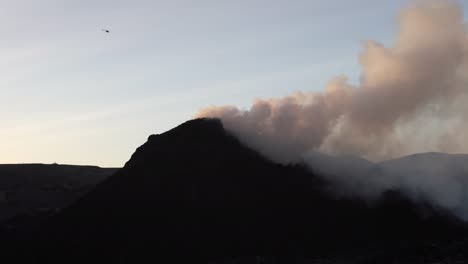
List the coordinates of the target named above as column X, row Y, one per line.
column 438, row 178
column 412, row 97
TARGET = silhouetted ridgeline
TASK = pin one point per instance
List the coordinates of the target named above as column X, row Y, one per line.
column 195, row 194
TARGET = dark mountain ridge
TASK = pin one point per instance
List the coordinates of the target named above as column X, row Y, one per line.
column 195, row 193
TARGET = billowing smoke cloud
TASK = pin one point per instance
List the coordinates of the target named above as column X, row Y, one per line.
column 412, row 97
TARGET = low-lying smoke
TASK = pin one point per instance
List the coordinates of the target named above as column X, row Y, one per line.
column 412, row 97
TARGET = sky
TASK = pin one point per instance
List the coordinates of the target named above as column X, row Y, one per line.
column 73, row 94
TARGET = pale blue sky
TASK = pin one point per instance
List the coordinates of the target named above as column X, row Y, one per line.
column 70, row 93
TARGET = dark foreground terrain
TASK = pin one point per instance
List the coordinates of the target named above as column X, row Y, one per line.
column 30, row 193
column 196, row 195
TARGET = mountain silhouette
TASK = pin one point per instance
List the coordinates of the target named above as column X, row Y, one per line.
column 196, row 194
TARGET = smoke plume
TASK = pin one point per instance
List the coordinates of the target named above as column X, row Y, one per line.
column 411, row 98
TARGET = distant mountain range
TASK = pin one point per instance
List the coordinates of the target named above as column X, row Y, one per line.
column 30, row 192
column 195, row 194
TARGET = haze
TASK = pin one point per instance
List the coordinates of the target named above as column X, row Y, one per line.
column 71, row 93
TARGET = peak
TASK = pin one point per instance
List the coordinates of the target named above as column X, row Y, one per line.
column 198, row 126
column 213, row 123
column 196, row 134
column 196, row 130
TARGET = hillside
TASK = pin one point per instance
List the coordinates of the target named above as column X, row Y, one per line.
column 30, row 192
column 196, row 194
